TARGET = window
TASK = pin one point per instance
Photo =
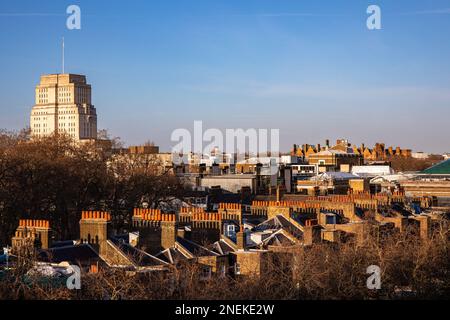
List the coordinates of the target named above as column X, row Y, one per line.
column 223, row 270
column 237, row 268
column 330, row 219
column 230, row 230
column 206, row 273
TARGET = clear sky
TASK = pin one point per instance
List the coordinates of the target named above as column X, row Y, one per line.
column 309, row 68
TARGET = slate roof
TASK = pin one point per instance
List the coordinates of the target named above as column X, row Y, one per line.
column 280, row 222
column 137, row 256
column 335, row 176
column 194, row 248
column 221, row 247
column 278, row 239
column 73, row 254
column 224, row 197
column 171, row 255
column 66, row 243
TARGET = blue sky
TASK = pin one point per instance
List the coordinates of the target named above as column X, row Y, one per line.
column 309, row 68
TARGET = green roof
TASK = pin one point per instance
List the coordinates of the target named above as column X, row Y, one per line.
column 440, row 168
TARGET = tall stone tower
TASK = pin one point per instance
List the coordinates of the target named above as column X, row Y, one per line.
column 63, row 105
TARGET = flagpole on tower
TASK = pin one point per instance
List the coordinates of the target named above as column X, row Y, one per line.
column 63, row 55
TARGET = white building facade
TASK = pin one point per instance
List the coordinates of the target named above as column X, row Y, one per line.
column 63, row 105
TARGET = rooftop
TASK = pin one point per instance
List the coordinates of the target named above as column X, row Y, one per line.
column 66, row 78
column 440, row 168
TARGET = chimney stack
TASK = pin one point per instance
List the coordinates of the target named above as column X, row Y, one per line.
column 37, row 232
column 312, row 232
column 157, row 230
column 95, row 229
column 206, row 227
column 168, row 231
column 241, row 240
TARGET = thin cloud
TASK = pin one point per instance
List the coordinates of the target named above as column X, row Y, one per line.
column 29, row 14
column 428, row 12
column 284, row 90
column 286, row 14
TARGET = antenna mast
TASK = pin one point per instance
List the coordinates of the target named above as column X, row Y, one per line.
column 63, row 55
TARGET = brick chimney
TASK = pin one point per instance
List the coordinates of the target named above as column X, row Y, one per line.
column 241, row 239
column 312, row 232
column 206, row 227
column 32, row 232
column 230, row 211
column 95, row 229
column 168, row 231
column 157, row 231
